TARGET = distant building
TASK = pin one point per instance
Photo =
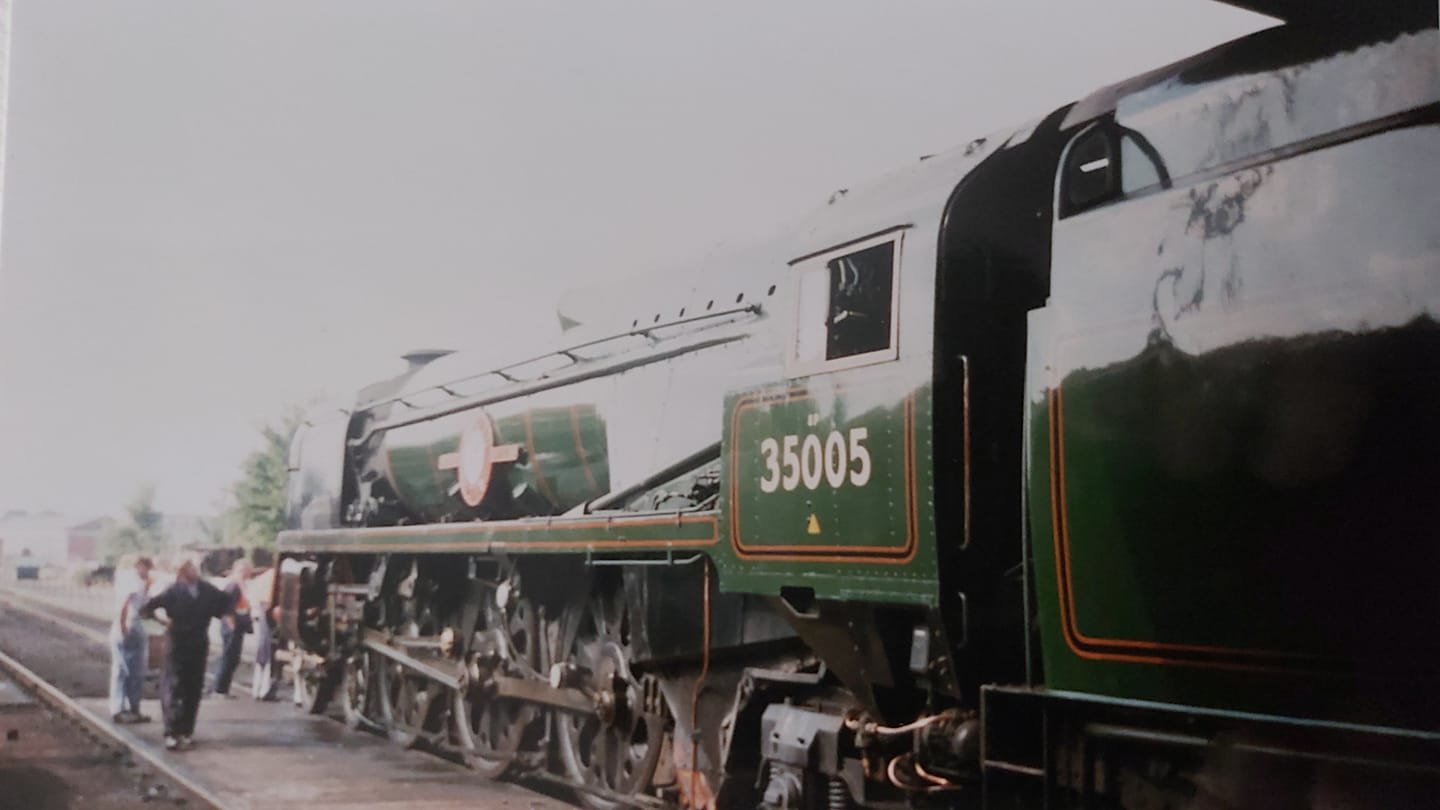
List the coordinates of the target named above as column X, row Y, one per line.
column 50, row 539
column 39, row 536
column 83, row 541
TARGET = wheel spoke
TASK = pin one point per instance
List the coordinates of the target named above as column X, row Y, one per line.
column 494, row 733
column 360, row 702
column 616, row 748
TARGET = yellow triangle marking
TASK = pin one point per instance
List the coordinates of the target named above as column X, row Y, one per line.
column 812, row 526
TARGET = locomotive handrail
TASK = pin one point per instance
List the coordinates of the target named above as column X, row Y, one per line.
column 568, row 352
column 705, row 454
column 540, row 384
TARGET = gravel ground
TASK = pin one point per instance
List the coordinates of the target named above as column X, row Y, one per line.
column 46, row 763
column 78, row 666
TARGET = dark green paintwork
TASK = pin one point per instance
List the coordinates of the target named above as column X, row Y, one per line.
column 563, row 462
column 868, row 505
column 874, row 542
column 1221, row 514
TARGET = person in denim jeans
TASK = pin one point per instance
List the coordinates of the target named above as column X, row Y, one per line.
column 128, row 640
column 234, row 627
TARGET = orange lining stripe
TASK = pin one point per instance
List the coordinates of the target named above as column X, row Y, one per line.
column 1074, row 638
column 580, row 451
column 534, row 460
column 501, row 545
column 530, row 525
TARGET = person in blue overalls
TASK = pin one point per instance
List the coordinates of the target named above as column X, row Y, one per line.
column 189, row 606
column 129, row 642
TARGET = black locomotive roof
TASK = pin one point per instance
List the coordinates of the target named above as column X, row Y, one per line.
column 1264, row 51
column 1340, row 13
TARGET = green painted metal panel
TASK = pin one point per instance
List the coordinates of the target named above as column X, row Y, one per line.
column 828, row 485
column 562, row 459
column 806, row 481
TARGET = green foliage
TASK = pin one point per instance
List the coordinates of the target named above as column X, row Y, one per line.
column 259, row 511
column 139, row 531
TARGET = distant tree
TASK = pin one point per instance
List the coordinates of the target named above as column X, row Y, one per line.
column 258, row 513
column 140, row 530
column 225, row 529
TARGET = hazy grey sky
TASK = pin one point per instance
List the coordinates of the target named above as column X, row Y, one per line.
column 213, row 210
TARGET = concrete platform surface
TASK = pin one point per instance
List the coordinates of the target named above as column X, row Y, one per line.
column 273, row 755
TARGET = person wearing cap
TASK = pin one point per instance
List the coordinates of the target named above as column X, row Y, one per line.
column 128, row 640
column 189, row 605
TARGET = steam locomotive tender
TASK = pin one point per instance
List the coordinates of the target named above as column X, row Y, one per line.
column 1094, row 460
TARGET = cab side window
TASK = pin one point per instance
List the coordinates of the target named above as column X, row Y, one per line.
column 1106, row 163
column 846, row 312
column 1091, row 171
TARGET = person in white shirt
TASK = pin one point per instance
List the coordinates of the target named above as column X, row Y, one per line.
column 265, row 679
column 128, row 640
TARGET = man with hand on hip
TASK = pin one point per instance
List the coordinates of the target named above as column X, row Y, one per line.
column 189, row 605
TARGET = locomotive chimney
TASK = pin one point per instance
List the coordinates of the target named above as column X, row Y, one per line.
column 419, row 357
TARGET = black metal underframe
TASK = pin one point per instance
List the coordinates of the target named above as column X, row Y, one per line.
column 1101, row 718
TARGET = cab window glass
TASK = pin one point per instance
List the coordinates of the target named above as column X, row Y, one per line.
column 1138, row 168
column 1105, row 164
column 861, row 285
column 1090, row 171
column 846, row 307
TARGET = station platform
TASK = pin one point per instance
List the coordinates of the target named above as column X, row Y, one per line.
column 253, row 754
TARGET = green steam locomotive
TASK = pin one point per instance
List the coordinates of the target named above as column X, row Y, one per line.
column 1091, row 463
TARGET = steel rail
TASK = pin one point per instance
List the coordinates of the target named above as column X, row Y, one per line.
column 44, row 610
column 62, row 703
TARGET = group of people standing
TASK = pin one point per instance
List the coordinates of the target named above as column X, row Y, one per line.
column 186, row 608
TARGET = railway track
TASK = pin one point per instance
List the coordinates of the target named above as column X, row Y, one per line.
column 157, row 779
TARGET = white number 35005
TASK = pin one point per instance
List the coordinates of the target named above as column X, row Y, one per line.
column 794, row 460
